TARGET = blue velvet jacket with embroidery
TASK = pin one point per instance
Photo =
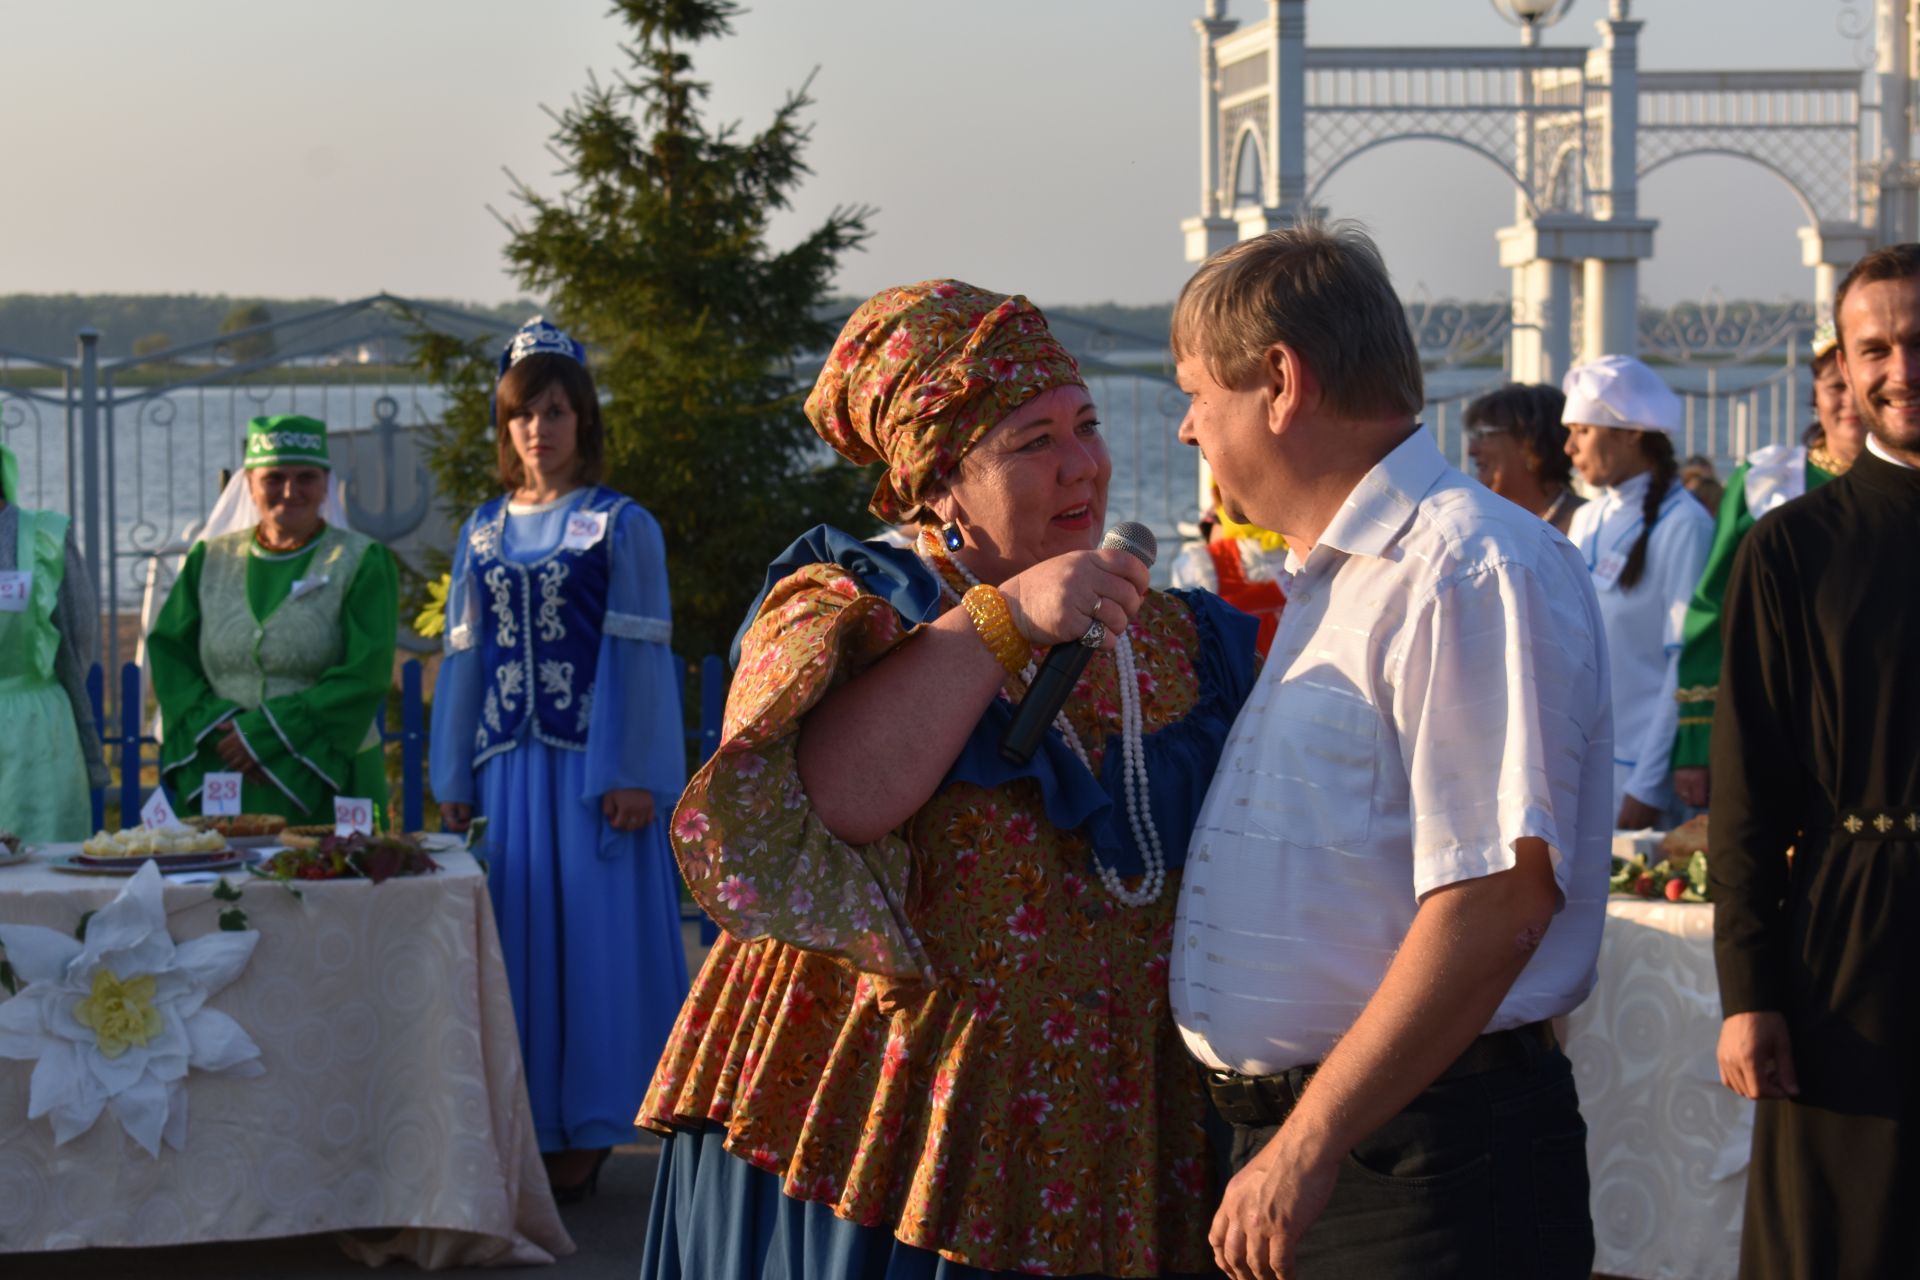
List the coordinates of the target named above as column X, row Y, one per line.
column 539, row 626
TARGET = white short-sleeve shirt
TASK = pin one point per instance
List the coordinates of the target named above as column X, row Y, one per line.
column 1437, row 690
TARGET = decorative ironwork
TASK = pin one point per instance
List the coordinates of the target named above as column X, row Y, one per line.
column 1514, row 107
column 1458, row 333
column 1856, row 24
column 169, row 420
column 1803, row 126
column 1717, row 331
column 389, row 521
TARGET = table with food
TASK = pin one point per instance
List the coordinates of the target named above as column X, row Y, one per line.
column 1666, row 1143
column 229, row 1028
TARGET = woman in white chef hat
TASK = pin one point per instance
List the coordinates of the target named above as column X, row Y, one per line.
column 1645, row 541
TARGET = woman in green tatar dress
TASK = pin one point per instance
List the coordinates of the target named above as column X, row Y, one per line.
column 1767, row 478
column 49, row 750
column 275, row 648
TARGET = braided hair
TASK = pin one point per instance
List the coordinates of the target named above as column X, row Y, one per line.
column 1657, row 448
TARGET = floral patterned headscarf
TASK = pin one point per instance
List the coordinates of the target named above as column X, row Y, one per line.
column 921, row 372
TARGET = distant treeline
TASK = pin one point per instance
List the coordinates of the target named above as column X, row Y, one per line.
column 1151, row 323
column 142, row 323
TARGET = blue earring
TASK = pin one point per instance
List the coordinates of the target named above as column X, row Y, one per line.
column 951, row 539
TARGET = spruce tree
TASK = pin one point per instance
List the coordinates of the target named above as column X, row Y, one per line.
column 656, row 256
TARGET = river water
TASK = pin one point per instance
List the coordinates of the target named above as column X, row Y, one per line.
column 168, row 450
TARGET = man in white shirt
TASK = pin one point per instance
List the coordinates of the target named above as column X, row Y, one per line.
column 1399, row 875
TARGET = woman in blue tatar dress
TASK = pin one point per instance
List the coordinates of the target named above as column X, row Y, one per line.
column 557, row 716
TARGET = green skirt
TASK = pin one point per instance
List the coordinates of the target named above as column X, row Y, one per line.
column 43, row 777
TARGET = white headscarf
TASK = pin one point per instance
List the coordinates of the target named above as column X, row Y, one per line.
column 235, row 509
column 1620, row 391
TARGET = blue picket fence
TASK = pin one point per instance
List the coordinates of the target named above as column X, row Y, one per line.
column 128, row 748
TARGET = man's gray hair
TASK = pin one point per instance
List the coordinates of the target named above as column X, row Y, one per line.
column 1319, row 288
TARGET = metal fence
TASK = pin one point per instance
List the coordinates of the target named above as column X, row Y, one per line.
column 135, row 447
column 129, row 746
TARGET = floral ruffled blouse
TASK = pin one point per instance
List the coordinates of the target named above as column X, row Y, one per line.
column 954, row 1030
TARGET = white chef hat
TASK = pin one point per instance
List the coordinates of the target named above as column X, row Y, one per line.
column 1619, row 391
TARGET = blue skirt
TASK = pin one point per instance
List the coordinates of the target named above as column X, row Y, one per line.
column 590, row 926
column 716, row 1217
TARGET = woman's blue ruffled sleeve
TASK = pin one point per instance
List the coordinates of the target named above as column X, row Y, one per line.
column 634, row 735
column 456, row 688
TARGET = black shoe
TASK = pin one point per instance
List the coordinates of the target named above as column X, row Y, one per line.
column 587, row 1187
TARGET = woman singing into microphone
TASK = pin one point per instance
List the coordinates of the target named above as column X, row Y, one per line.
column 936, row 1025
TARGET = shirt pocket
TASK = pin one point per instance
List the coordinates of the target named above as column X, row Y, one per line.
column 1316, row 765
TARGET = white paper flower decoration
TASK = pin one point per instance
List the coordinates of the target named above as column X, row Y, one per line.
column 118, row 1020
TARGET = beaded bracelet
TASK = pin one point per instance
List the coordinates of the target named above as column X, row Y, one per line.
column 993, row 620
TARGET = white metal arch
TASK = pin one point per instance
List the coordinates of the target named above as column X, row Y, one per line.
column 1565, row 168
column 1326, row 174
column 1793, row 185
column 1239, row 149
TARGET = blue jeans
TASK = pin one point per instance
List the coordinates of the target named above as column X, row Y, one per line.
column 1482, row 1176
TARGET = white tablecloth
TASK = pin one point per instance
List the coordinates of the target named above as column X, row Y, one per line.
column 393, row 1096
column 1666, row 1143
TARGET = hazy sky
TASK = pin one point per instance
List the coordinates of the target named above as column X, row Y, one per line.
column 340, row 147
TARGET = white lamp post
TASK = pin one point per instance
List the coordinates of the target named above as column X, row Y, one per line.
column 1537, row 348
column 1531, row 15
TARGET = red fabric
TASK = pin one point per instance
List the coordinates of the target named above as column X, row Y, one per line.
column 1263, row 600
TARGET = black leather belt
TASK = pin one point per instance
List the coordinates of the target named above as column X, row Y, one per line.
column 1259, row 1101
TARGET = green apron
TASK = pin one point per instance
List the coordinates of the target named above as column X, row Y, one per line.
column 43, row 776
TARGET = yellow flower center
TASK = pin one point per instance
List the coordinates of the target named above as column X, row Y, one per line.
column 120, row 1014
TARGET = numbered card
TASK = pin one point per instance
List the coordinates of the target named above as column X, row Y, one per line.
column 220, row 797
column 158, row 811
column 351, row 814
column 584, row 529
column 16, row 588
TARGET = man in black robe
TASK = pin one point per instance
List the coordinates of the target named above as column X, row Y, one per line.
column 1815, row 840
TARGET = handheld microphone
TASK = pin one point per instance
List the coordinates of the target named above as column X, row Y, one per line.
column 1064, row 662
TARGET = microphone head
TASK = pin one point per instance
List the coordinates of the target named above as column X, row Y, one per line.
column 1133, row 538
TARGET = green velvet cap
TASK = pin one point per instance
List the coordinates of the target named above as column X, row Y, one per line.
column 287, row 440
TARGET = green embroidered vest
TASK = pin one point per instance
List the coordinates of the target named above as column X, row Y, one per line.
column 248, row 661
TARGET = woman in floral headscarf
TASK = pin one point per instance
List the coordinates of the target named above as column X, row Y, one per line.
column 934, row 1037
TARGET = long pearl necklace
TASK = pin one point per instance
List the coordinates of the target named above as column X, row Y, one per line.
column 1133, row 755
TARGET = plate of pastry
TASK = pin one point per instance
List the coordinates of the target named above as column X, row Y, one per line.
column 244, row 830
column 175, row 847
